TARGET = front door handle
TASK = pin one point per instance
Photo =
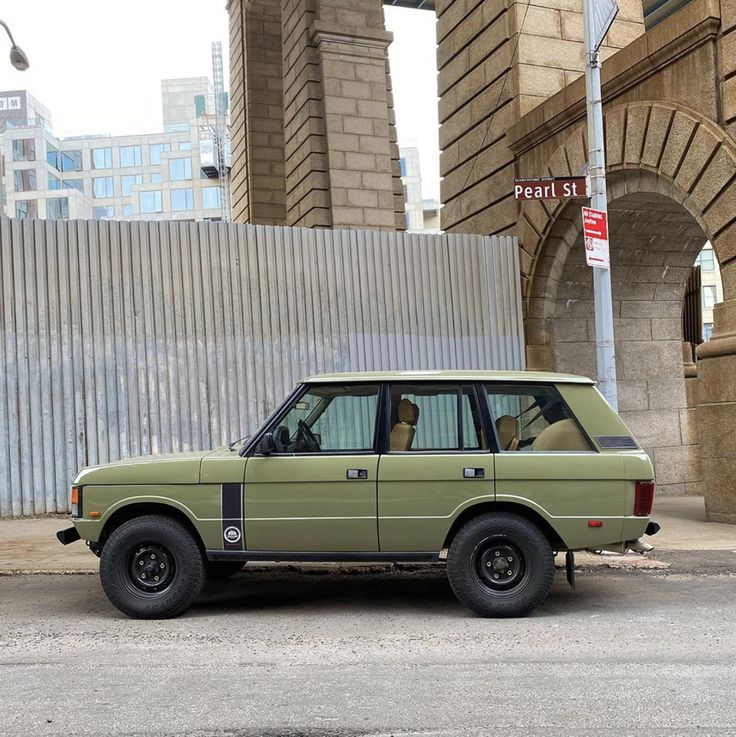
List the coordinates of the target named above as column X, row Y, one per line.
column 474, row 473
column 357, row 473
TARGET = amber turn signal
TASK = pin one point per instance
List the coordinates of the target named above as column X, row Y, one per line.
column 76, row 501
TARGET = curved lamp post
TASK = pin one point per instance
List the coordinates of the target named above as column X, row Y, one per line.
column 18, row 57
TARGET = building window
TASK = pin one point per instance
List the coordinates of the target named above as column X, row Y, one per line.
column 707, row 330
column 102, row 158
column 64, row 160
column 128, row 181
column 130, row 156
column 71, row 161
column 25, row 180
column 211, row 198
column 180, row 169
column 57, row 208
column 706, row 260
column 156, row 178
column 24, row 149
column 185, row 146
column 26, row 209
column 151, row 201
column 107, row 212
column 402, row 162
column 182, row 199
column 156, row 149
column 709, row 297
column 73, row 184
column 103, row 186
column 127, row 211
column 54, row 182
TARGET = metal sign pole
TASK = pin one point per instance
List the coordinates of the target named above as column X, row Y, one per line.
column 605, row 350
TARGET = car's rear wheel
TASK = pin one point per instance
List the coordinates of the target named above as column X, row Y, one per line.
column 500, row 565
column 222, row 570
column 151, row 567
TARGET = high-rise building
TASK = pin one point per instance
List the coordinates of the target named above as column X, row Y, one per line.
column 422, row 216
column 157, row 176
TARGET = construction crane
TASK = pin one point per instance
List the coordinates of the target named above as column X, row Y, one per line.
column 219, row 130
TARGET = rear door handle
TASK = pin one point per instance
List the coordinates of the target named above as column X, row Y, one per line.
column 357, row 473
column 474, row 473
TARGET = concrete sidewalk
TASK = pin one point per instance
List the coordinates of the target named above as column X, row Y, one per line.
column 29, row 545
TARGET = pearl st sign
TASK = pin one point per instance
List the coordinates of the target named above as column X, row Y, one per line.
column 551, row 188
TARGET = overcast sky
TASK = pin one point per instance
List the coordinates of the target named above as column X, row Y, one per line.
column 98, row 65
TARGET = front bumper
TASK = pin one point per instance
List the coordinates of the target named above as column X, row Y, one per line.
column 70, row 535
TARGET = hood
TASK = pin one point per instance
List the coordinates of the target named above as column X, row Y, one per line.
column 167, row 468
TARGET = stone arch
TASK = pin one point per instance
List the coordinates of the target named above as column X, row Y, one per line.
column 672, row 185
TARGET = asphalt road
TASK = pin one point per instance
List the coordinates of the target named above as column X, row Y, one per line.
column 286, row 655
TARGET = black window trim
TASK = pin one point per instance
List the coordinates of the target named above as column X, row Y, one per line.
column 251, row 449
column 484, row 393
column 384, row 448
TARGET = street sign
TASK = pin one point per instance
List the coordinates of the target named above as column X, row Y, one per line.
column 595, row 233
column 604, row 13
column 551, row 188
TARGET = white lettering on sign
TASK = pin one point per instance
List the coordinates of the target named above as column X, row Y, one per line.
column 595, row 235
column 551, row 188
column 10, row 103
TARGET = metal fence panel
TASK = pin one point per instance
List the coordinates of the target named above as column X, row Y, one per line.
column 128, row 338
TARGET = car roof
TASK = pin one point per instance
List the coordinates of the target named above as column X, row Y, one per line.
column 468, row 375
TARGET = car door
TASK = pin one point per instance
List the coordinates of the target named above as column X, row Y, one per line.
column 437, row 460
column 547, row 462
column 317, row 491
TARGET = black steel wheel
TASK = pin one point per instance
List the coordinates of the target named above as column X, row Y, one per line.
column 151, row 567
column 500, row 565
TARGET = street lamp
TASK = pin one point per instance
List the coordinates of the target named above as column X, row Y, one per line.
column 18, row 57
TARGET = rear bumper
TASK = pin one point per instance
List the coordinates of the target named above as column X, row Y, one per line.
column 67, row 536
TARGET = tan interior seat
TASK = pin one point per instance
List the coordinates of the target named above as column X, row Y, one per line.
column 562, row 435
column 508, row 432
column 402, row 433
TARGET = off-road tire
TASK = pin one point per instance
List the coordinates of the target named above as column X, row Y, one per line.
column 155, row 538
column 218, row 570
column 476, row 560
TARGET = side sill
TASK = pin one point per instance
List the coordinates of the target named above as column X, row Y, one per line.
column 317, row 557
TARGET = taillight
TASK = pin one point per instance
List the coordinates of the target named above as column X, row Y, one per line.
column 76, row 499
column 644, row 498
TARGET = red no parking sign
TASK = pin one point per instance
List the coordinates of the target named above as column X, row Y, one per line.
column 595, row 233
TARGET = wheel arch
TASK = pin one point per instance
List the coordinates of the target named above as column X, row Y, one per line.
column 130, row 511
column 522, row 510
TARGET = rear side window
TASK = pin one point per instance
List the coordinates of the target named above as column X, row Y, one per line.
column 534, row 417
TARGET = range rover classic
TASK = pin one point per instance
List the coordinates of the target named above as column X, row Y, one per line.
column 490, row 472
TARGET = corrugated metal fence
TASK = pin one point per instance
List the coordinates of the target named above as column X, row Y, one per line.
column 127, row 338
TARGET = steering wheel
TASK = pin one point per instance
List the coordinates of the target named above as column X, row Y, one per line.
column 306, row 439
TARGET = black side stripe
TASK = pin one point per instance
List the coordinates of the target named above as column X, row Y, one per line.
column 232, row 517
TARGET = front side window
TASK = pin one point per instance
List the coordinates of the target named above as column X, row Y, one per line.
column 102, row 158
column 103, row 186
column 330, row 419
column 435, row 417
column 530, row 417
column 130, row 156
column 180, row 169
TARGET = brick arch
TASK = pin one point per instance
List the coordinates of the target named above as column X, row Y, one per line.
column 670, row 148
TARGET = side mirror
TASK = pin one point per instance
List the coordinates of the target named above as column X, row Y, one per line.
column 267, row 445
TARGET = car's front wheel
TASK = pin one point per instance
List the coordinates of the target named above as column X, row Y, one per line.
column 500, row 565
column 151, row 567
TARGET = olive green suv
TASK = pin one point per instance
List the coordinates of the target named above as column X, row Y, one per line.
column 492, row 472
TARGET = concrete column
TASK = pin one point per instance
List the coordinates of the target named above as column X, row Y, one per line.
column 717, row 413
column 689, row 415
column 257, row 112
